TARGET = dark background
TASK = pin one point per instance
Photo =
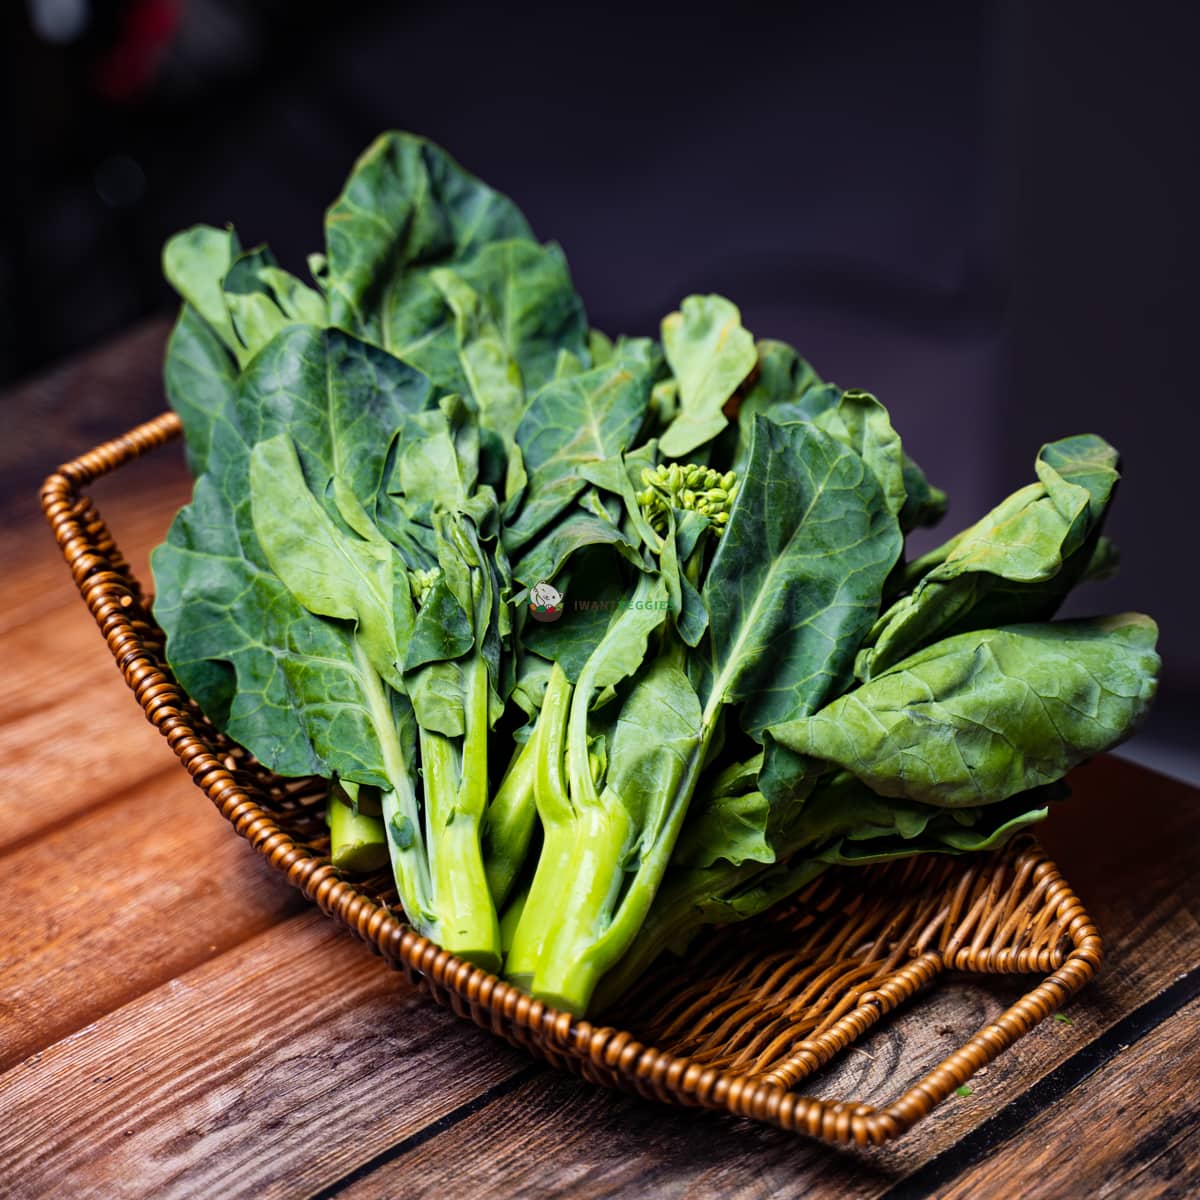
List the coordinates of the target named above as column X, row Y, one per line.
column 983, row 212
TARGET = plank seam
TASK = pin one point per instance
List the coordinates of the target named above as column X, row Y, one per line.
column 468, row 1109
column 944, row 1168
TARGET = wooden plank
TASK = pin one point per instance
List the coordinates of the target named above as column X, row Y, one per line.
column 1135, row 1113
column 72, row 735
column 1128, row 843
column 1137, row 876
column 608, row 1139
column 63, row 702
column 112, row 904
column 557, row 1136
column 267, row 1072
column 1127, row 1126
column 59, row 415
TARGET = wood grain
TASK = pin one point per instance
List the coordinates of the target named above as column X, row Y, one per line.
column 191, row 1033
column 555, row 1136
column 1137, row 1114
column 1128, row 839
column 614, row 1144
column 285, row 1063
column 1140, row 881
column 57, row 670
column 107, row 906
column 61, row 754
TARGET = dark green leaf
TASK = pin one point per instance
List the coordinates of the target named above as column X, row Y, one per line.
column 652, row 742
column 286, row 684
column 576, row 531
column 442, row 630
column 924, row 504
column 195, row 263
column 728, row 828
column 407, row 207
column 200, row 376
column 982, row 716
column 333, row 573
column 569, row 424
column 710, row 354
column 1016, row 564
column 436, row 691
column 594, row 591
column 797, row 576
column 519, row 296
column 339, row 400
column 859, row 421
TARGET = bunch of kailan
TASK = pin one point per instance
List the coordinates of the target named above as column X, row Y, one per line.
column 598, row 642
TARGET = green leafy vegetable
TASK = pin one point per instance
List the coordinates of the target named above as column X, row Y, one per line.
column 407, row 209
column 584, row 697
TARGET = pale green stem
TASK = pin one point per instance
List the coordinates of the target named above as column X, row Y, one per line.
column 357, row 842
column 401, row 816
column 509, row 821
column 550, row 793
column 455, row 796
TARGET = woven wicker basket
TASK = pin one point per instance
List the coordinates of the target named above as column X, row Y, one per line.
column 754, row 1011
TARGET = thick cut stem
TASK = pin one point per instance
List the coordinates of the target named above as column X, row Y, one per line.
column 357, row 842
column 605, row 908
column 591, row 881
column 599, row 921
column 541, row 909
column 509, row 821
column 455, row 795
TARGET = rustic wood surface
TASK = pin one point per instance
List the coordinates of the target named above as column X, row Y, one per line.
column 175, row 1022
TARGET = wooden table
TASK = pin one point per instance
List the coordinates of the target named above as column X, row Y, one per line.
column 171, row 1031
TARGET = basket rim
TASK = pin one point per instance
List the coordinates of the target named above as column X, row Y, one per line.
column 109, row 590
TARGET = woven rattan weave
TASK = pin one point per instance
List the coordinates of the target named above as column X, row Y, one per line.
column 751, row 1013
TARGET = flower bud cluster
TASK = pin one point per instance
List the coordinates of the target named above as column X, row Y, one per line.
column 421, row 582
column 690, row 487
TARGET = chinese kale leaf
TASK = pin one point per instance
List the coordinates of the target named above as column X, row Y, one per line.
column 982, row 716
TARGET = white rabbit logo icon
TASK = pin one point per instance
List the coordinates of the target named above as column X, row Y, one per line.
column 545, row 602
